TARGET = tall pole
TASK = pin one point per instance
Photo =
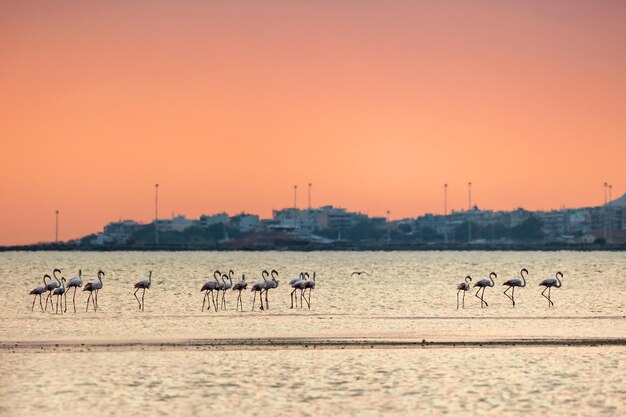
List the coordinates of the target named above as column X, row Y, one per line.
column 469, row 208
column 56, row 227
column 310, row 196
column 610, row 213
column 445, row 199
column 604, row 212
column 156, row 214
column 295, row 204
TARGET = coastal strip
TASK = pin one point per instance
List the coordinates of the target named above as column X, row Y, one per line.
column 292, row 343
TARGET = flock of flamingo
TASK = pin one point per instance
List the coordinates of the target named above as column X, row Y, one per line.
column 221, row 282
column 511, row 284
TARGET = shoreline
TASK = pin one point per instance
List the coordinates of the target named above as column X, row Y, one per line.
column 292, row 343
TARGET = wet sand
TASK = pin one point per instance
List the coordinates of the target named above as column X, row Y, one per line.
column 290, row 343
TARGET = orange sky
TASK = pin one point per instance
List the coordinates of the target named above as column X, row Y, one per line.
column 229, row 104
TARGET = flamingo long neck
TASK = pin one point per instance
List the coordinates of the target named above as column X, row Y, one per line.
column 100, row 273
column 523, row 278
column 55, row 275
column 150, row 277
column 63, row 284
column 558, row 281
column 45, row 284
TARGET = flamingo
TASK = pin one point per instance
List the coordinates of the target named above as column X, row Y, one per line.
column 59, row 292
column 297, row 284
column 145, row 285
column 38, row 291
column 94, row 286
column 549, row 283
column 227, row 286
column 310, row 285
column 271, row 284
column 75, row 282
column 51, row 286
column 259, row 287
column 463, row 286
column 240, row 286
column 219, row 286
column 482, row 284
column 210, row 286
column 512, row 283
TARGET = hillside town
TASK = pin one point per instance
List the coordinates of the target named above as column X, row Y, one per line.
column 330, row 226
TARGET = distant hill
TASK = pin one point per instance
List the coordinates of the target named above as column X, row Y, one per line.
column 620, row 202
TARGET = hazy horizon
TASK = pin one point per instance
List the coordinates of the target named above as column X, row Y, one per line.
column 228, row 105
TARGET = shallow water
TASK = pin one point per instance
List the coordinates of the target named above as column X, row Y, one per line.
column 409, row 296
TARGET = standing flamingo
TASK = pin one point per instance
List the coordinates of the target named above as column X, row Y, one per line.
column 297, row 284
column 94, row 286
column 75, row 282
column 210, row 286
column 549, row 283
column 271, row 284
column 310, row 285
column 240, row 286
column 259, row 287
column 227, row 286
column 482, row 284
column 512, row 283
column 60, row 292
column 463, row 286
column 51, row 286
column 145, row 285
column 38, row 291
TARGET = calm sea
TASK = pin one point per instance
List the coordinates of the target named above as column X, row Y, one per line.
column 119, row 361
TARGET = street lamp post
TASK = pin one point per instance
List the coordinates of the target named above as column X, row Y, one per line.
column 56, row 226
column 156, row 214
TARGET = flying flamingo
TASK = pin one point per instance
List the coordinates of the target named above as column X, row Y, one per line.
column 463, row 286
column 94, row 286
column 227, row 286
column 75, row 282
column 38, row 291
column 210, row 286
column 259, row 287
column 145, row 285
column 51, row 286
column 359, row 273
column 482, row 284
column 59, row 292
column 271, row 284
column 240, row 286
column 297, row 283
column 310, row 285
column 549, row 283
column 512, row 283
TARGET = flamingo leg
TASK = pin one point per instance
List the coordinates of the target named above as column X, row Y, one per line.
column 137, row 298
column 550, row 297
column 483, row 297
column 40, row 303
column 463, row 299
column 47, row 296
column 513, row 296
column 224, row 300
column 544, row 296
column 34, row 299
column 508, row 296
column 204, row 299
column 57, row 308
column 94, row 299
column 292, row 292
column 309, row 301
column 457, row 298
column 479, row 297
column 253, row 301
column 88, row 302
column 74, row 300
column 143, row 304
column 261, row 299
column 65, row 297
column 267, row 303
